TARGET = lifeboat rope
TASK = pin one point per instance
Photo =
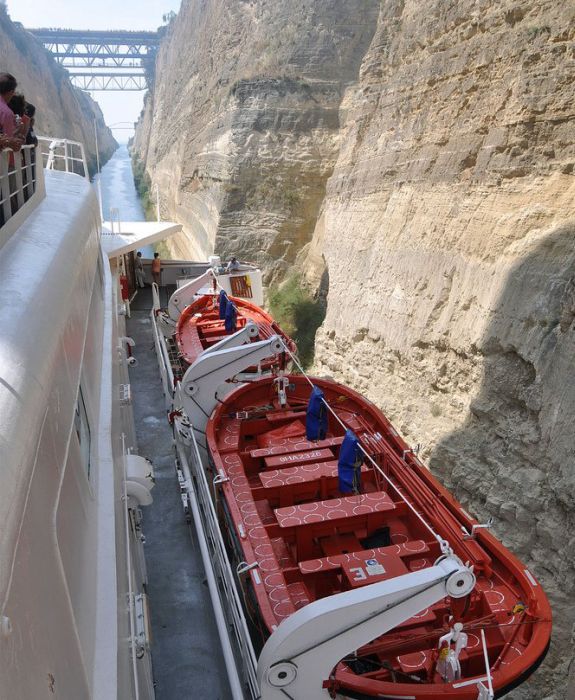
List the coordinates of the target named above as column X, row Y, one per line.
column 443, row 543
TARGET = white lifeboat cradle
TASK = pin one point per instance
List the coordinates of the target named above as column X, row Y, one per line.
column 300, row 655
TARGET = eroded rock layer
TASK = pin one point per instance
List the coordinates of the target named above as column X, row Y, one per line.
column 448, row 231
column 241, row 128
column 62, row 111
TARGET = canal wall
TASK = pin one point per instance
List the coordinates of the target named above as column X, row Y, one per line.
column 241, row 130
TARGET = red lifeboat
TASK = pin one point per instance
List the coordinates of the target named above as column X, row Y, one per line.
column 305, row 541
column 199, row 327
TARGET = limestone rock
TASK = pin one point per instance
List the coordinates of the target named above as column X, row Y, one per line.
column 241, row 129
column 455, row 193
column 432, row 147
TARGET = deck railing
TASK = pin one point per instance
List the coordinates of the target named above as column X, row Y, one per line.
column 64, row 155
column 21, row 187
column 18, row 177
column 22, row 177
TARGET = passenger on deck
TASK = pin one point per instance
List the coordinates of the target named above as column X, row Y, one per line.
column 156, row 268
column 140, row 270
column 31, row 138
column 9, row 138
column 18, row 106
column 233, row 265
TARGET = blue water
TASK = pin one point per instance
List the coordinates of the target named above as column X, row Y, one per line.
column 119, row 191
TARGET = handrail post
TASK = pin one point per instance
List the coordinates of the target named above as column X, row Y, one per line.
column 17, row 173
column 5, row 186
column 66, row 155
column 30, row 184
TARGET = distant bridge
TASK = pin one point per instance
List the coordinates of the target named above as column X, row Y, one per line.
column 102, row 60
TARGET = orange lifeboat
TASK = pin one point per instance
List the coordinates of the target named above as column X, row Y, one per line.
column 303, row 538
column 200, row 327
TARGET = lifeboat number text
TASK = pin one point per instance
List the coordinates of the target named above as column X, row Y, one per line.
column 309, row 455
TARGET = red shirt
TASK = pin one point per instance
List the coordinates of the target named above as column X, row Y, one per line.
column 156, row 265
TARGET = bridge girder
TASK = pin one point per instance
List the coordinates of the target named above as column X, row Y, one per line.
column 103, row 55
column 130, row 82
column 120, row 53
column 91, row 36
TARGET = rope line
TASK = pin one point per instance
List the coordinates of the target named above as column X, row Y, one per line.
column 444, row 544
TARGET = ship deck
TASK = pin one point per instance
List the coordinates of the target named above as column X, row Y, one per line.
column 186, row 653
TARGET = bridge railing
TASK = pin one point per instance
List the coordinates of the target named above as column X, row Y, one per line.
column 64, row 155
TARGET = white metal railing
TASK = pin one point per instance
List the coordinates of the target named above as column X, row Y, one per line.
column 18, row 180
column 164, row 363
column 131, row 594
column 115, row 222
column 485, row 693
column 226, row 601
column 64, row 155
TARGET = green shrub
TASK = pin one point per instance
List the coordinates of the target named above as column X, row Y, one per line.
column 143, row 183
column 298, row 313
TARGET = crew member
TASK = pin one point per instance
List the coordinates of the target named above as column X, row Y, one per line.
column 233, row 265
column 156, row 268
column 139, row 270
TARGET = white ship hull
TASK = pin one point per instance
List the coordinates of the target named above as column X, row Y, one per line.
column 71, row 559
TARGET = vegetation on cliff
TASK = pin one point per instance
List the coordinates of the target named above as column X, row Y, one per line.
column 298, row 313
column 143, row 187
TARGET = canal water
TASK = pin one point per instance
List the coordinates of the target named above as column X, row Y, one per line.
column 119, row 191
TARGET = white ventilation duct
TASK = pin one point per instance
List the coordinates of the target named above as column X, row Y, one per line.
column 139, row 479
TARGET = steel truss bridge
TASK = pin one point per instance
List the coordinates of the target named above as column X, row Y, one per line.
column 102, row 60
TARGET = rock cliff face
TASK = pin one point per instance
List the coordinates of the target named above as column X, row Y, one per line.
column 61, row 110
column 439, row 177
column 448, row 230
column 241, row 130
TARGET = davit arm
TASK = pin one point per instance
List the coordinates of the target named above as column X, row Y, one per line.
column 184, row 296
column 301, row 654
column 199, row 387
column 241, row 337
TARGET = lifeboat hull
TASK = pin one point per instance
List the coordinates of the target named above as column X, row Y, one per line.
column 286, row 517
column 199, row 327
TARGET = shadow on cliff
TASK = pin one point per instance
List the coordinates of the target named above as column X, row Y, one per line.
column 513, row 456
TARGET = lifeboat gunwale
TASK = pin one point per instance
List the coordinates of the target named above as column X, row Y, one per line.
column 191, row 344
column 536, row 646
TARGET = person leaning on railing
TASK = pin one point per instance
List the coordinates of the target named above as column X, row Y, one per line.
column 11, row 135
column 24, row 123
column 18, row 106
column 10, row 142
column 31, row 138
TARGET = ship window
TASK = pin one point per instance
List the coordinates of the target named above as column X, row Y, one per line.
column 83, row 431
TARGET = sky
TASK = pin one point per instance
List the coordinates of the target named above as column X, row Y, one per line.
column 98, row 14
